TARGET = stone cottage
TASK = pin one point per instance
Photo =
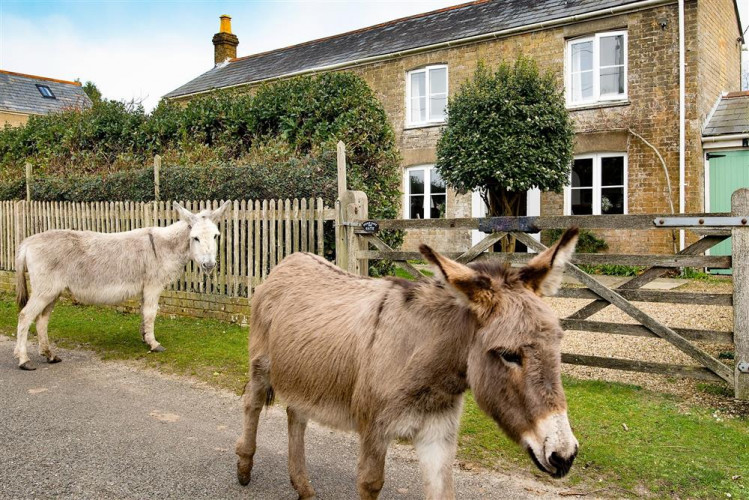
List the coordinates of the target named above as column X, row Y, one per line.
column 23, row 95
column 619, row 62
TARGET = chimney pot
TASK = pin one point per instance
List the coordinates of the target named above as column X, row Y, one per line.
column 225, row 24
column 224, row 42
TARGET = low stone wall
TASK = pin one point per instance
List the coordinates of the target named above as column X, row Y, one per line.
column 173, row 303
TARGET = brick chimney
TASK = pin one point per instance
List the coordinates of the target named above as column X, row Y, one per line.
column 224, row 42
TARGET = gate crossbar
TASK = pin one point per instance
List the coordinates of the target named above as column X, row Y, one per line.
column 696, row 248
column 473, row 252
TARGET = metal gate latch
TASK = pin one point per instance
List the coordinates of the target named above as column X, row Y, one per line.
column 743, row 366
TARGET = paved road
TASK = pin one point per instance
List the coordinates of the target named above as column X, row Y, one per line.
column 91, row 429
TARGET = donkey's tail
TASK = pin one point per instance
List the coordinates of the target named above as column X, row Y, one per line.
column 22, row 293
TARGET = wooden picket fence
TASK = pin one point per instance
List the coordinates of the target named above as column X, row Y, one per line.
column 255, row 235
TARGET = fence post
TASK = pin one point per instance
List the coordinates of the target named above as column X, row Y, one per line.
column 28, row 181
column 156, row 179
column 740, row 263
column 354, row 207
column 341, row 250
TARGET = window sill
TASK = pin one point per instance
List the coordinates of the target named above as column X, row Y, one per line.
column 598, row 105
column 424, row 125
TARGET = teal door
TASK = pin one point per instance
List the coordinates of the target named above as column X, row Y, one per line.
column 729, row 171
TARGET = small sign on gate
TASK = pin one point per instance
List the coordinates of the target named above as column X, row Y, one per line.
column 370, row 226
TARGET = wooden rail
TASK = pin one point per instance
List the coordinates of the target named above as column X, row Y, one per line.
column 535, row 224
column 671, row 261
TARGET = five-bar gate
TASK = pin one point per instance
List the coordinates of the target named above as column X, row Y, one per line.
column 358, row 242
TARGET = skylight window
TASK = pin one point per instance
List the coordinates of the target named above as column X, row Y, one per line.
column 46, row 91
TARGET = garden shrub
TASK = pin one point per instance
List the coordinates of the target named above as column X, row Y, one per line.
column 282, row 136
column 587, row 241
column 306, row 177
column 507, row 131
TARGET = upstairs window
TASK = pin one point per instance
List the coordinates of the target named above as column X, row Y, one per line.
column 45, row 91
column 426, row 98
column 597, row 68
column 426, row 196
column 598, row 185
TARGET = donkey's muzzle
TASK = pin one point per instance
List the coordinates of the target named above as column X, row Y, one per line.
column 561, row 464
column 208, row 267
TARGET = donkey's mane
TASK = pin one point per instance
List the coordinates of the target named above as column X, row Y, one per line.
column 498, row 270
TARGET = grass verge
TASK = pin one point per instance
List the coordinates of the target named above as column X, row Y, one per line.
column 633, row 442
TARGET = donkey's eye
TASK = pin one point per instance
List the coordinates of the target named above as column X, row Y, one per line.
column 196, row 239
column 509, row 356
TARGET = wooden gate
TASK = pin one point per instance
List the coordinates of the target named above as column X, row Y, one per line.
column 358, row 243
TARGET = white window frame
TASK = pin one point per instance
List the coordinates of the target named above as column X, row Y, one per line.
column 427, row 191
column 597, row 96
column 425, row 70
column 596, row 157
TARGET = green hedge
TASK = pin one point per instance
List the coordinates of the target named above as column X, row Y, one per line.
column 296, row 178
column 287, row 124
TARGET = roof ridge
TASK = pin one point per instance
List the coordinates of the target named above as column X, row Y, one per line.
column 36, row 77
column 366, row 28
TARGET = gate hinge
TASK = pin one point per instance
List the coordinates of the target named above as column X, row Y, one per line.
column 743, row 366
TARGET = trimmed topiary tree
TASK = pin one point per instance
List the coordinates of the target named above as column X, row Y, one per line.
column 507, row 132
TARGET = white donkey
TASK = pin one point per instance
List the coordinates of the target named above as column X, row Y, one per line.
column 101, row 268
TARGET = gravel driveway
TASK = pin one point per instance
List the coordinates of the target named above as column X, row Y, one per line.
column 648, row 349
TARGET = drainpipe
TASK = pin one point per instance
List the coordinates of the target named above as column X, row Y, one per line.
column 682, row 125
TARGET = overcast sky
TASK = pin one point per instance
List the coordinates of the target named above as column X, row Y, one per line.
column 141, row 49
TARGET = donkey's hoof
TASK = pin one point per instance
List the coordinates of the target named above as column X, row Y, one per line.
column 244, row 473
column 158, row 348
column 54, row 359
column 27, row 366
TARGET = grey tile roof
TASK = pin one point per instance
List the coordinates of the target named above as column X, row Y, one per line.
column 19, row 94
column 444, row 25
column 731, row 116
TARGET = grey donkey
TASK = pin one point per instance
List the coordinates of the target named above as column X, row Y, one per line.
column 107, row 268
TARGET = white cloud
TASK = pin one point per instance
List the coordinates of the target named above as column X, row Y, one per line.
column 141, row 68
column 145, row 64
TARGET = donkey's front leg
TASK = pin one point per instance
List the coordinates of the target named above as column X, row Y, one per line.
column 435, row 444
column 149, row 309
column 371, row 468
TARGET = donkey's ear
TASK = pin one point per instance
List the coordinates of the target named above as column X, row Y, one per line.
column 543, row 274
column 216, row 215
column 185, row 214
column 475, row 286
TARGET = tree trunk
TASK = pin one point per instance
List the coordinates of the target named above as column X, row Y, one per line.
column 503, row 203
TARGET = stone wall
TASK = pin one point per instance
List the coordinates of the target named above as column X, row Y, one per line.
column 173, row 303
column 714, row 50
column 12, row 119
